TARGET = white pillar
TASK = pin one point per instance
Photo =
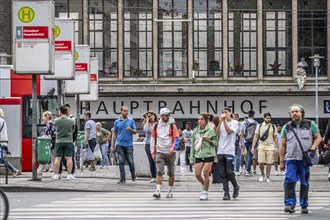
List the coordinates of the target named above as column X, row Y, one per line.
column 225, row 39
column 155, row 40
column 294, row 37
column 260, row 41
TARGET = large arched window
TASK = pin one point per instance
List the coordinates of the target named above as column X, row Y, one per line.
column 277, row 26
column 137, row 38
column 242, row 18
column 172, row 38
column 312, row 34
column 207, row 38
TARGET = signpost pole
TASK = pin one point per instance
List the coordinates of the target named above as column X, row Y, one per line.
column 34, row 127
column 59, row 92
column 77, row 111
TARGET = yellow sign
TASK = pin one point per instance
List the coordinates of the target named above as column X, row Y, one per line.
column 26, row 14
column 57, row 31
column 76, row 55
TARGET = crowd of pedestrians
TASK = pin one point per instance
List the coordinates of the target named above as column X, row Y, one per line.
column 224, row 146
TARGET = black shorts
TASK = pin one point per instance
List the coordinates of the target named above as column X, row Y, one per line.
column 204, row 160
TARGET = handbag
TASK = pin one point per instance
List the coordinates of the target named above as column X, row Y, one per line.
column 198, row 144
column 87, row 155
column 97, row 153
column 310, row 156
column 324, row 158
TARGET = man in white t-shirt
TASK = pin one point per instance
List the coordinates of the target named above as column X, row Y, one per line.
column 226, row 131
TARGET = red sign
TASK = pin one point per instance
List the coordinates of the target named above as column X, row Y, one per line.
column 81, row 67
column 63, row 45
column 35, row 32
column 93, row 77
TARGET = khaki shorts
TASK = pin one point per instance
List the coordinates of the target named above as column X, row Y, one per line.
column 276, row 156
column 165, row 159
column 265, row 156
column 255, row 155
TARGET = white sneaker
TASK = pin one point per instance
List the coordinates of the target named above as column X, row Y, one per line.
column 169, row 195
column 56, row 177
column 152, row 180
column 51, row 170
column 276, row 173
column 183, row 174
column 204, row 196
column 283, row 173
column 238, row 173
column 261, row 179
column 268, row 180
column 70, row 177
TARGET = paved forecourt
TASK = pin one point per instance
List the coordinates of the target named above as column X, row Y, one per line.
column 184, row 205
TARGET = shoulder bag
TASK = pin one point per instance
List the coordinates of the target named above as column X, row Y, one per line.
column 310, row 157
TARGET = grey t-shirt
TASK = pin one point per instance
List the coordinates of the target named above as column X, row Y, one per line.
column 90, row 124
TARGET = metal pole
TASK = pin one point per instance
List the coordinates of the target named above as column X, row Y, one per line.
column 34, row 127
column 59, row 93
column 77, row 111
column 316, row 96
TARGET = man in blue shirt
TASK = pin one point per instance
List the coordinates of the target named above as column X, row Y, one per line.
column 90, row 136
column 124, row 129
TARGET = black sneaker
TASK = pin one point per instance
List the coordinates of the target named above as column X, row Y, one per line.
column 156, row 195
column 236, row 192
column 289, row 209
column 133, row 177
column 226, row 196
column 304, row 211
column 121, row 181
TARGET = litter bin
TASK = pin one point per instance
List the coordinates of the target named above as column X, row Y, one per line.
column 81, row 140
column 44, row 144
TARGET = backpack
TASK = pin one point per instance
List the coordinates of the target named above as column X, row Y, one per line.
column 250, row 130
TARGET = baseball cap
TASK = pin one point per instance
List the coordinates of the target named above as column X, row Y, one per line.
column 164, row 111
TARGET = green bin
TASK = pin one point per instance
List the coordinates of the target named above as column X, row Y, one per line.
column 81, row 139
column 44, row 145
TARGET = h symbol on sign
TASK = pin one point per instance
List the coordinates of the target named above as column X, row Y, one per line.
column 28, row 13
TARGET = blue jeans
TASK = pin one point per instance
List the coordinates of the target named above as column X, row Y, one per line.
column 92, row 144
column 125, row 153
column 295, row 170
column 3, row 161
column 105, row 158
column 152, row 163
column 238, row 154
column 249, row 156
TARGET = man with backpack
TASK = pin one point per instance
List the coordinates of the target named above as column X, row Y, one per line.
column 164, row 140
column 248, row 129
column 267, row 136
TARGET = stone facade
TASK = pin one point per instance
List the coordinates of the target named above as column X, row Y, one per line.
column 5, row 27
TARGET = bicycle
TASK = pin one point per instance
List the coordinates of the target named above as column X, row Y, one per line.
column 4, row 205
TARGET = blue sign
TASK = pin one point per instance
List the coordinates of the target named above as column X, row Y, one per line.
column 19, row 33
column 326, row 106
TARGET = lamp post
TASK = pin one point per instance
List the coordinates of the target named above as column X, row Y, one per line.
column 316, row 58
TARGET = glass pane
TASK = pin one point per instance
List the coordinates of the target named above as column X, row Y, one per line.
column 142, row 39
column 202, row 41
column 167, row 39
column 270, row 39
column 178, row 39
column 99, row 39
